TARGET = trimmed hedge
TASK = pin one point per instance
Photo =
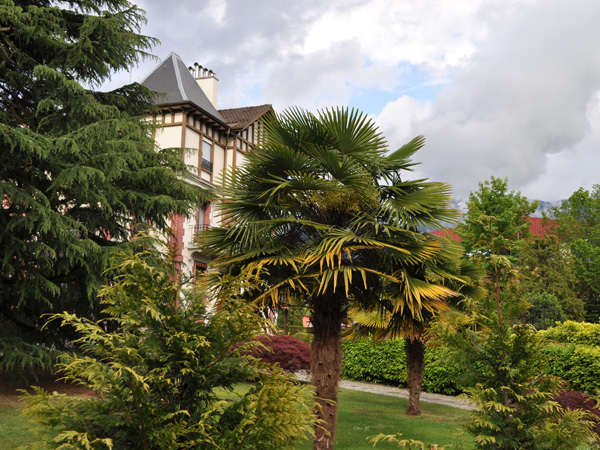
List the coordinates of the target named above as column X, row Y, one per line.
column 375, row 362
column 570, row 351
column 570, row 332
column 385, row 362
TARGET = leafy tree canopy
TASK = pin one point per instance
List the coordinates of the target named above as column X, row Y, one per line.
column 546, row 266
column 78, row 167
column 579, row 226
column 496, row 219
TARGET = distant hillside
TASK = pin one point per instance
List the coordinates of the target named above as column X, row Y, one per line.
column 544, row 206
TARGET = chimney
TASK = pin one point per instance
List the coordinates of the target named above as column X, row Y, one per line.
column 207, row 81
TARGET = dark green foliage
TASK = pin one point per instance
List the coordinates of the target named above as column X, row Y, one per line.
column 78, row 168
column 546, row 267
column 557, row 360
column 385, row 362
column 159, row 378
column 286, row 351
column 579, row 226
column 496, row 219
column 545, row 310
column 441, row 374
column 22, row 362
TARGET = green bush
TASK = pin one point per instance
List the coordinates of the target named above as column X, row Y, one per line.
column 440, row 375
column 545, row 310
column 572, row 352
column 572, row 332
column 385, row 362
column 557, row 359
column 376, row 362
column 159, row 378
column 584, row 370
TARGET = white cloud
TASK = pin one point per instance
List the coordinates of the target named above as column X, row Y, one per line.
column 522, row 98
column 397, row 120
column 511, row 82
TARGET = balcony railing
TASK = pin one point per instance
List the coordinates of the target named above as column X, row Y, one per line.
column 206, row 164
column 195, row 229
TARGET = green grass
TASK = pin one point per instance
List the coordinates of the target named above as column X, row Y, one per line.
column 14, row 428
column 361, row 415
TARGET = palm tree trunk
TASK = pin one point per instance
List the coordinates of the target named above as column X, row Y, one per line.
column 326, row 365
column 415, row 363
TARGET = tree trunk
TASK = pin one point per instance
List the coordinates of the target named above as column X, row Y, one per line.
column 415, row 363
column 326, row 364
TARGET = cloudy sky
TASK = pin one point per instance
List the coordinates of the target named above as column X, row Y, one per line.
column 509, row 88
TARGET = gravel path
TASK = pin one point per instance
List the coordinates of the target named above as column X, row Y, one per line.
column 397, row 392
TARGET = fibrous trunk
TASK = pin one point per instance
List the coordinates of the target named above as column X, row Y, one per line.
column 326, row 364
column 415, row 363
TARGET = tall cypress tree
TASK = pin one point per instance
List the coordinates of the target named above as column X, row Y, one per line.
column 78, row 167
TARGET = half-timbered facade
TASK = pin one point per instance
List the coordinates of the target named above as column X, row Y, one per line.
column 212, row 140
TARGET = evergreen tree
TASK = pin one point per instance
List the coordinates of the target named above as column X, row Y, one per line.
column 579, row 226
column 545, row 310
column 163, row 379
column 500, row 355
column 78, row 167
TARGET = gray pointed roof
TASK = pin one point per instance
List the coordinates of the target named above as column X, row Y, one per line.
column 172, row 79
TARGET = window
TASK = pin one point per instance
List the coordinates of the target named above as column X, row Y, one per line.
column 206, row 155
column 199, row 267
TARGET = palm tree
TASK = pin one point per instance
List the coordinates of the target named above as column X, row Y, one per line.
column 323, row 214
column 388, row 319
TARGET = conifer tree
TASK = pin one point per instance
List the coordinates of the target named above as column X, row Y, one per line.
column 165, row 377
column 78, row 167
column 500, row 356
column 547, row 267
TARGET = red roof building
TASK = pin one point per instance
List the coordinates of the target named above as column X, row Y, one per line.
column 538, row 227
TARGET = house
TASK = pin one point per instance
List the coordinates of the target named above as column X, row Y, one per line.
column 212, row 140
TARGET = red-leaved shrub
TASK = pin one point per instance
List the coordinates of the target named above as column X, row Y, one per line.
column 573, row 400
column 290, row 353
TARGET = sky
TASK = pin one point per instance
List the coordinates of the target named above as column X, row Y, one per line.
column 504, row 88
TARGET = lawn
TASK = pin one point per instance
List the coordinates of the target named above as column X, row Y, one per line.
column 361, row 415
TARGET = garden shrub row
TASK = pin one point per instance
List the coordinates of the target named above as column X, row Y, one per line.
column 570, row 350
column 570, row 332
column 385, row 362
